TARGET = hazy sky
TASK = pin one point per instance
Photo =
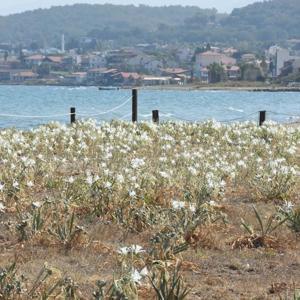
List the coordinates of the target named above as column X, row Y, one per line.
column 13, row 6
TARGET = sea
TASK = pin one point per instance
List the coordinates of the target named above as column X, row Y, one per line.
column 27, row 107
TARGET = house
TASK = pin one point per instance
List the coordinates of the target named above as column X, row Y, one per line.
column 128, row 78
column 230, row 51
column 156, row 80
column 296, row 65
column 279, row 56
column 76, row 78
column 54, row 59
column 153, row 66
column 34, row 60
column 178, row 75
column 290, row 67
column 209, row 57
column 204, row 75
column 117, row 58
column 4, row 75
column 233, row 72
column 143, row 62
column 101, row 76
column 93, row 61
column 55, row 62
column 248, row 57
column 10, row 63
column 24, row 76
column 68, row 63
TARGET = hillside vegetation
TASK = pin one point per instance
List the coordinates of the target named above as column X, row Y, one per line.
column 269, row 21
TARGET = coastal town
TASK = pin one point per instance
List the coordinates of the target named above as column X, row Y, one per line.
column 148, row 65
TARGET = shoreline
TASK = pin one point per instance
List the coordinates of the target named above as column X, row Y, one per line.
column 246, row 88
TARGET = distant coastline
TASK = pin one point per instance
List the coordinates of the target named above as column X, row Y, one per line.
column 189, row 87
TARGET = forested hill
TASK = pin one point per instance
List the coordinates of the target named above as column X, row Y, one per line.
column 103, row 21
column 269, row 21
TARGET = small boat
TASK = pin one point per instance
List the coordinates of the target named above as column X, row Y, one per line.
column 108, row 88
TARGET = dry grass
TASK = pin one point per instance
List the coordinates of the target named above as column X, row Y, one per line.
column 219, row 260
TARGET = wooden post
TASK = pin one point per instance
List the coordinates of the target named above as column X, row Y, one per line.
column 73, row 115
column 155, row 116
column 134, row 105
column 262, row 117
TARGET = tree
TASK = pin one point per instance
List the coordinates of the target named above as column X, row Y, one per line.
column 5, row 55
column 43, row 70
column 216, row 73
column 21, row 56
column 251, row 72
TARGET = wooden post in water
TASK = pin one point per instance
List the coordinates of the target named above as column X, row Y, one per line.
column 73, row 115
column 155, row 116
column 262, row 117
column 134, row 105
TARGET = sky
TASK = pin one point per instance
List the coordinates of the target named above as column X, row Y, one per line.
column 15, row 6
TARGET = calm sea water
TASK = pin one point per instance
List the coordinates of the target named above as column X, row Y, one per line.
column 35, row 105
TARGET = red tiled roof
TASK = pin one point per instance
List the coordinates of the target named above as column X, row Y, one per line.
column 35, row 57
column 174, row 70
column 55, row 59
column 127, row 75
column 26, row 74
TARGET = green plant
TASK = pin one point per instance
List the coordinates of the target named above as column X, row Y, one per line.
column 168, row 286
column 123, row 289
column 260, row 237
column 265, row 228
column 293, row 218
column 67, row 232
column 10, row 284
column 99, row 294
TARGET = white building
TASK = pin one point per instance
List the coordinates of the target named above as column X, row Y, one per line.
column 279, row 56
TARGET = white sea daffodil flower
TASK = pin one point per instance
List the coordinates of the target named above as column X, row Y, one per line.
column 36, row 204
column 30, row 184
column 134, row 249
column 2, row 207
column 136, row 276
column 15, row 184
column 178, row 204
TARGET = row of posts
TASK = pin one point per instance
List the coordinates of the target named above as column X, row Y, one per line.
column 155, row 113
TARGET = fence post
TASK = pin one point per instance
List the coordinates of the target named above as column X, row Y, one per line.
column 73, row 115
column 134, row 105
column 262, row 117
column 155, row 116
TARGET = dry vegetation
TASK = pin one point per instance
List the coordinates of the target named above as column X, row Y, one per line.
column 175, row 211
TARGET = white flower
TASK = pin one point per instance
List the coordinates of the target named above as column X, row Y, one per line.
column 132, row 194
column 164, row 174
column 120, row 178
column 212, row 203
column 1, row 186
column 144, row 271
column 36, row 204
column 70, row 179
column 192, row 207
column 287, row 206
column 135, row 249
column 178, row 204
column 137, row 162
column 107, row 185
column 2, row 207
column 15, row 184
column 30, row 184
column 89, row 179
column 136, row 276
